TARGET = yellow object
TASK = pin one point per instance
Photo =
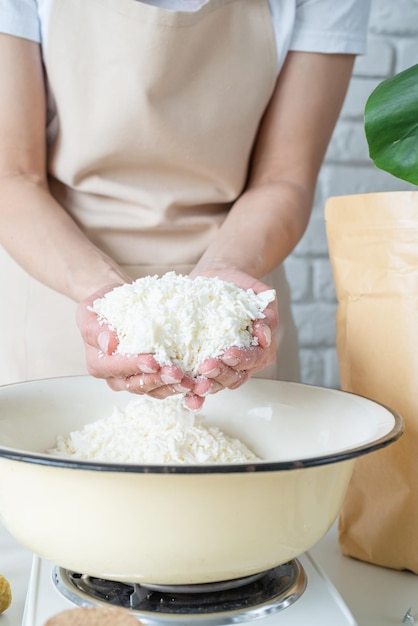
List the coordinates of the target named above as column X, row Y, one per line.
column 5, row 594
column 202, row 523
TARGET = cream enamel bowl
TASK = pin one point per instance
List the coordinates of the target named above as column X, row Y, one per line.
column 183, row 524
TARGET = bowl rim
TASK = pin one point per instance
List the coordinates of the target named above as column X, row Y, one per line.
column 45, row 459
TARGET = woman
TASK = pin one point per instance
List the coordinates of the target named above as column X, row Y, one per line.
column 141, row 137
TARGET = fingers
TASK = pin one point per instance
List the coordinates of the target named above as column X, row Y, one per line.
column 90, row 327
column 101, row 365
column 214, row 378
column 263, row 334
column 193, row 402
column 245, row 359
column 233, row 368
column 168, row 380
column 142, row 374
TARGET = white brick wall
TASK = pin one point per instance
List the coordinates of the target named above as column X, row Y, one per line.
column 393, row 46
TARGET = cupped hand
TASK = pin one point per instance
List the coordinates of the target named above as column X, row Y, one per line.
column 140, row 374
column 236, row 365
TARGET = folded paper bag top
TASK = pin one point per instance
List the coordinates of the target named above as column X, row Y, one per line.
column 373, row 248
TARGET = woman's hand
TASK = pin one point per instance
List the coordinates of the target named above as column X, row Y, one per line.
column 236, row 365
column 139, row 374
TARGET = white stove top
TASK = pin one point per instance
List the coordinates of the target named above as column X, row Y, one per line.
column 319, row 605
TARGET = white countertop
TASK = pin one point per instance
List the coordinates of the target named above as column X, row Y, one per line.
column 376, row 596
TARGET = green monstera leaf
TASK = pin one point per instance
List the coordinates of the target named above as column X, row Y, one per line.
column 391, row 125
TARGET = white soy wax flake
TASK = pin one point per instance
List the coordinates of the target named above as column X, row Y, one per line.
column 180, row 320
column 153, row 431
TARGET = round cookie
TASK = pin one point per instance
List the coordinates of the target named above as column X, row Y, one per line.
column 93, row 616
column 5, row 594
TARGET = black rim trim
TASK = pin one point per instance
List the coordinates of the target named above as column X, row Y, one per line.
column 261, row 466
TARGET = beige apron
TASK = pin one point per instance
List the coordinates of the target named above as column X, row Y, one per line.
column 157, row 112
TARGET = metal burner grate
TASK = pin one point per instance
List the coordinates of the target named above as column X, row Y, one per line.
column 210, row 604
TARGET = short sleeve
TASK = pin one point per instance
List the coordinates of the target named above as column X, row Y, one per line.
column 331, row 26
column 20, row 18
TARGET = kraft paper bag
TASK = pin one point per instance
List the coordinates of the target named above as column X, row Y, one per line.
column 373, row 247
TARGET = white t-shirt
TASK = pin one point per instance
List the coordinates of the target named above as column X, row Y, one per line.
column 329, row 26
